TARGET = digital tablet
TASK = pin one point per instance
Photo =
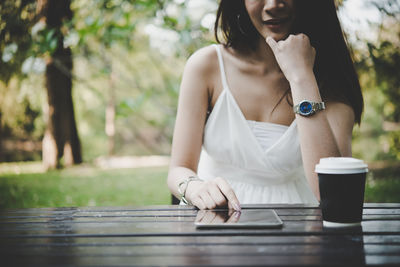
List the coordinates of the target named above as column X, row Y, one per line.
column 247, row 218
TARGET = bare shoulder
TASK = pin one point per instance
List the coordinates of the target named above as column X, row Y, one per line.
column 204, row 61
column 200, row 74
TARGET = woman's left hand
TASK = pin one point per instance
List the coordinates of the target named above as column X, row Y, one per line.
column 295, row 56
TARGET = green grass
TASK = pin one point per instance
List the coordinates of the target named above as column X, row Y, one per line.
column 84, row 186
column 385, row 191
column 25, row 185
column 383, row 184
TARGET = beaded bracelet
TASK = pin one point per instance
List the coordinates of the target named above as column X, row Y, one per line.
column 184, row 185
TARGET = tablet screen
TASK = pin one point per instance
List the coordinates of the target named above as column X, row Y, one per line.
column 247, row 218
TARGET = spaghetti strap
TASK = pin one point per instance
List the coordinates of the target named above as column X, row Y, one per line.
column 231, row 150
column 221, row 67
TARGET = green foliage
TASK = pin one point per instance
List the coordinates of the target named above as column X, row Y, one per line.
column 108, row 21
column 45, row 41
column 26, row 121
column 378, row 68
column 16, row 20
column 381, row 191
column 112, row 42
column 386, row 62
column 383, row 184
column 394, row 142
column 21, row 112
column 115, row 59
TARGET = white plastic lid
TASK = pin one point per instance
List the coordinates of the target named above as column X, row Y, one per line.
column 341, row 165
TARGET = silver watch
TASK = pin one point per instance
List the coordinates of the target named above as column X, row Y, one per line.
column 307, row 108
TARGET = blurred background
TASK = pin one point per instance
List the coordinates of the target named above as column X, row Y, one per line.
column 89, row 89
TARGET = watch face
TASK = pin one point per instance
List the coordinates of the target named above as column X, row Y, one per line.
column 305, row 108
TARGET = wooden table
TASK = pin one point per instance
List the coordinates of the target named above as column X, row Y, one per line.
column 166, row 236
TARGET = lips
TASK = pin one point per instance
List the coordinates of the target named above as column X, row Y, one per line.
column 277, row 25
column 276, row 21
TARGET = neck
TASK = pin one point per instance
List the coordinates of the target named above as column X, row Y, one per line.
column 263, row 57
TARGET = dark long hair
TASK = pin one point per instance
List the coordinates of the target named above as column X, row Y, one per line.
column 333, row 68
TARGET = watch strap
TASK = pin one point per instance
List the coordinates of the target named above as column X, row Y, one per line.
column 315, row 107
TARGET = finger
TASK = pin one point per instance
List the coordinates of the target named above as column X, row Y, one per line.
column 200, row 215
column 230, row 212
column 198, row 202
column 208, row 201
column 219, row 218
column 234, row 217
column 272, row 43
column 227, row 190
column 304, row 36
column 291, row 36
column 217, row 195
column 209, row 217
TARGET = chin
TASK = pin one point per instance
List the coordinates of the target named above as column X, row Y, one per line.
column 277, row 37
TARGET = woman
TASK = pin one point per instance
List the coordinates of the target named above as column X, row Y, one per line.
column 258, row 111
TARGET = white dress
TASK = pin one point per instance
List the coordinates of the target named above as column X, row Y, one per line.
column 261, row 166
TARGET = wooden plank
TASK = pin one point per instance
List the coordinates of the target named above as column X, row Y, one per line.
column 155, row 219
column 139, row 213
column 295, row 254
column 215, row 250
column 131, row 219
column 381, row 211
column 189, row 259
column 151, row 208
column 380, row 260
column 200, row 240
column 374, row 217
column 180, row 219
column 188, row 228
column 71, row 210
column 82, row 214
column 171, row 240
column 96, row 209
column 382, row 205
column 5, row 217
column 351, row 251
column 210, row 244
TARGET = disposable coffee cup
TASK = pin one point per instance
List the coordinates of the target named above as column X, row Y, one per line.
column 341, row 186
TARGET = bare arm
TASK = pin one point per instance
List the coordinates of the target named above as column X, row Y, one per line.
column 327, row 133
column 189, row 125
column 188, row 135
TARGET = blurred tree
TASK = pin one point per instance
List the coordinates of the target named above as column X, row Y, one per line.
column 16, row 20
column 127, row 67
column 385, row 56
column 61, row 136
column 385, row 59
column 102, row 25
column 134, row 52
column 43, row 20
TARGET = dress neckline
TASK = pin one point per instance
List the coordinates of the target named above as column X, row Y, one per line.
column 268, row 124
column 226, row 90
column 225, row 87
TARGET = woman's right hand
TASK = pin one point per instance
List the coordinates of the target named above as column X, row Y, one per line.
column 211, row 194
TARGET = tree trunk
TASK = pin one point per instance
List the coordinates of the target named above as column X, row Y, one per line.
column 61, row 136
column 110, row 116
column 1, row 137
